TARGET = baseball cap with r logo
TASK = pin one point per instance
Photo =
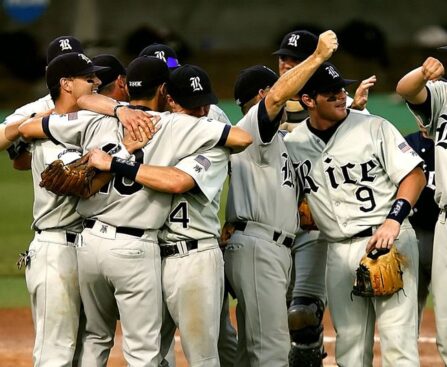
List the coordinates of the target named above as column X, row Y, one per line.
column 190, row 86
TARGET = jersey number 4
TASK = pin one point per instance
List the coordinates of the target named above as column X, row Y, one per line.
column 180, row 214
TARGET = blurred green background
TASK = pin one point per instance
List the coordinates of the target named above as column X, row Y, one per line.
column 16, row 199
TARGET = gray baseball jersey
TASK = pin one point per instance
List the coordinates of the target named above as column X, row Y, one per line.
column 350, row 189
column 216, row 113
column 436, row 125
column 124, row 201
column 194, row 214
column 51, row 211
column 262, row 168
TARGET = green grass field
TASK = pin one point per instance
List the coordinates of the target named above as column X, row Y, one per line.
column 16, row 201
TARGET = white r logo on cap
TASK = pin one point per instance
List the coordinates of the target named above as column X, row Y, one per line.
column 85, row 58
column 65, row 44
column 160, row 55
column 195, row 84
column 293, row 40
column 331, row 71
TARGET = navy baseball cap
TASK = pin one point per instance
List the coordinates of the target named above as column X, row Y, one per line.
column 115, row 68
column 163, row 52
column 298, row 44
column 190, row 86
column 63, row 45
column 69, row 65
column 326, row 79
column 251, row 80
column 146, row 72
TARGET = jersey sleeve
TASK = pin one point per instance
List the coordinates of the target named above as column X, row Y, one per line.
column 218, row 114
column 189, row 134
column 41, row 105
column 104, row 132
column 395, row 154
column 64, row 129
column 208, row 169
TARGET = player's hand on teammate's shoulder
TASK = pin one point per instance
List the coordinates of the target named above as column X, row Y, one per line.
column 362, row 93
column 138, row 122
column 384, row 236
column 132, row 144
column 99, row 159
column 327, row 45
column 43, row 113
column 432, row 69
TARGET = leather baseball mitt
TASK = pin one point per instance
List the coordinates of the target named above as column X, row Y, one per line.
column 379, row 273
column 306, row 219
column 73, row 179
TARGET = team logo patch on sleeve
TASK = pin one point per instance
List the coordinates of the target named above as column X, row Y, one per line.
column 404, row 147
column 203, row 161
column 72, row 116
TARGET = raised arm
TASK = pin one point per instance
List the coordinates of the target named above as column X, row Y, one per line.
column 292, row 81
column 412, row 86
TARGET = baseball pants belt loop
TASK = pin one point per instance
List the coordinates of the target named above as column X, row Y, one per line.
column 443, row 215
column 270, row 233
column 137, row 232
column 69, row 238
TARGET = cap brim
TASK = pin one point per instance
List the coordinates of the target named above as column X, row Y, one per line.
column 443, row 48
column 92, row 69
column 338, row 85
column 197, row 101
column 290, row 53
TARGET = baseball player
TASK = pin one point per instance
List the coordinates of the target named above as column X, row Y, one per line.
column 425, row 214
column 264, row 221
column 127, row 282
column 113, row 79
column 360, row 196
column 426, row 97
column 307, row 290
column 51, row 265
column 227, row 344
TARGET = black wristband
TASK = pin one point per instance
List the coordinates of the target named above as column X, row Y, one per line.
column 115, row 109
column 125, row 168
column 399, row 210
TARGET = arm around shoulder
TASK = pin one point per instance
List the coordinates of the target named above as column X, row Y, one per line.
column 238, row 139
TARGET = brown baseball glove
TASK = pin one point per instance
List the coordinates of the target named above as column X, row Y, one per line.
column 306, row 219
column 73, row 179
column 379, row 273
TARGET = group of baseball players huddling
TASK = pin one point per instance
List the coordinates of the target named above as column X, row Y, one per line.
column 145, row 246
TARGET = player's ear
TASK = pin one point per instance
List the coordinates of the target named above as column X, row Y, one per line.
column 307, row 101
column 122, row 82
column 65, row 84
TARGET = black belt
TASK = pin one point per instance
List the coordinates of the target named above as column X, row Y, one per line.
column 137, row 232
column 170, row 250
column 368, row 232
column 69, row 236
column 288, row 241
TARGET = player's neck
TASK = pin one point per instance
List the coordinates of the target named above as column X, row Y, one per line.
column 65, row 105
column 321, row 123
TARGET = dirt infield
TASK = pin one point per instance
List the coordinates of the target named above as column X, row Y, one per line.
column 16, row 342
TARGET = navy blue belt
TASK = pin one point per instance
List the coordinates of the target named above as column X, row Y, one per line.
column 368, row 232
column 171, row 250
column 288, row 241
column 137, row 232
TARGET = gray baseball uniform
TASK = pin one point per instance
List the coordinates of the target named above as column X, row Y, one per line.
column 120, row 241
column 434, row 117
column 51, row 275
column 192, row 262
column 350, row 189
column 262, row 205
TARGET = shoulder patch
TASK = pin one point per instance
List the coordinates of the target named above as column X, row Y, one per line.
column 203, row 161
column 72, row 116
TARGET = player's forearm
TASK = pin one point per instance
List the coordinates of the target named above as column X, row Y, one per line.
column 10, row 133
column 238, row 139
column 165, row 179
column 4, row 141
column 32, row 129
column 412, row 87
column 411, row 186
column 97, row 103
